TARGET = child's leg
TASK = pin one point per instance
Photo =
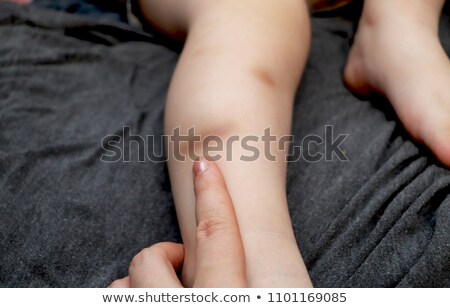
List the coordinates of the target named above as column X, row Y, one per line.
column 397, row 53
column 237, row 75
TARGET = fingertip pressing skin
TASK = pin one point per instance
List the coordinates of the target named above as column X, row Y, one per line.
column 220, row 254
column 201, row 165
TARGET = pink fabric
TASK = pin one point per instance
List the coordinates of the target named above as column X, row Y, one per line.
column 18, row 1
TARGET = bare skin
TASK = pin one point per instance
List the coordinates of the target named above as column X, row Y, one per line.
column 237, row 75
column 397, row 53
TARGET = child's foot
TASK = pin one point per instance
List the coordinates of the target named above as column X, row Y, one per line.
column 397, row 53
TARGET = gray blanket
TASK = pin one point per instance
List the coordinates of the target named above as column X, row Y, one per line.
column 382, row 219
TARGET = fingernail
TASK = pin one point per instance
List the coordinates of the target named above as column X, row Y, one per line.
column 200, row 166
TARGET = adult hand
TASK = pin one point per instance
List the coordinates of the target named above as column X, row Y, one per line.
column 220, row 259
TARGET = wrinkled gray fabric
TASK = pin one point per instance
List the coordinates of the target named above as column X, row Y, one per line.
column 381, row 219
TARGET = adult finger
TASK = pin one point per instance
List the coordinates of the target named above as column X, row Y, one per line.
column 157, row 266
column 121, row 283
column 220, row 259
